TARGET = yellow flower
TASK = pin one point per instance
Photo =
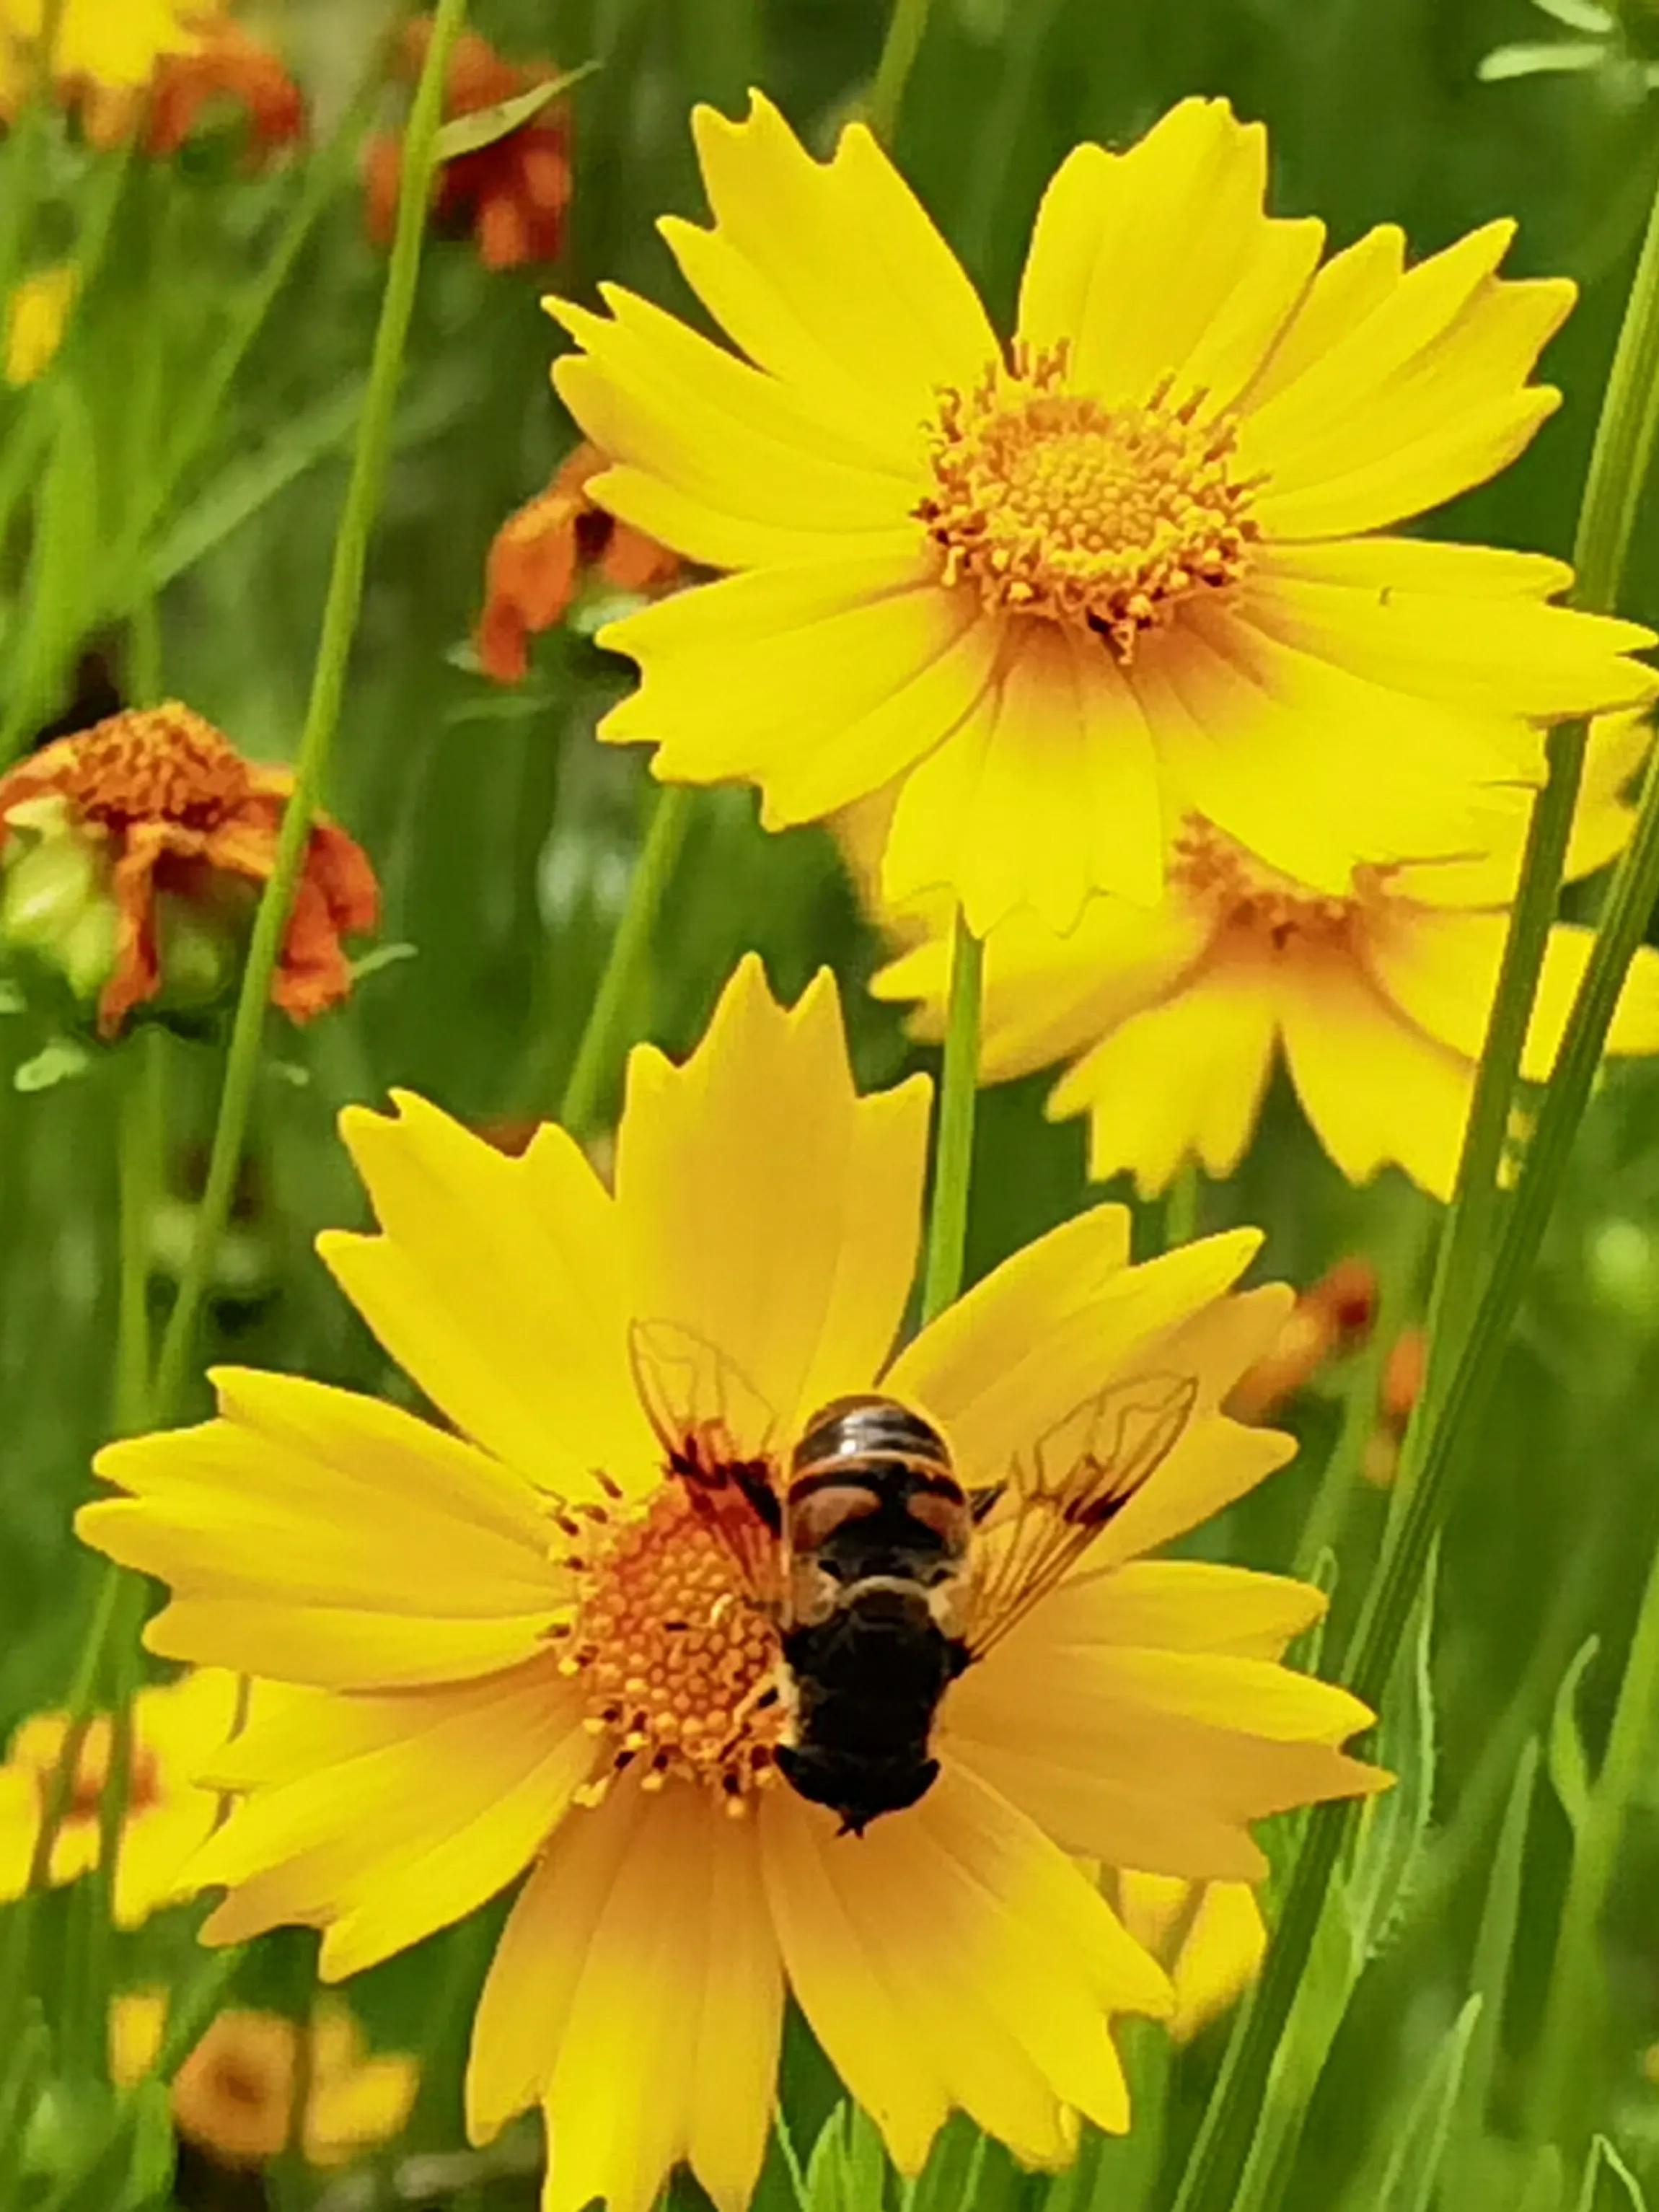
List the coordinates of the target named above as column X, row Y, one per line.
column 35, row 319
column 1172, row 1017
column 235, row 2094
column 520, row 1646
column 1059, row 594
column 1213, row 1939
column 175, row 1730
column 113, row 45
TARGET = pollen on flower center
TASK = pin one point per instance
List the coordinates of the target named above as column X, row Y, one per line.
column 1248, row 898
column 1108, row 517
column 151, row 763
column 674, row 1660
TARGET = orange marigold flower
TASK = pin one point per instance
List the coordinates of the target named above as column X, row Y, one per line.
column 152, row 818
column 540, row 554
column 512, row 194
column 229, row 68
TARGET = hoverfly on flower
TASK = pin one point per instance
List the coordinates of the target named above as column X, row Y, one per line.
column 884, row 1578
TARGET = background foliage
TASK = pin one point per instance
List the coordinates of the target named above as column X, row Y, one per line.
column 505, row 839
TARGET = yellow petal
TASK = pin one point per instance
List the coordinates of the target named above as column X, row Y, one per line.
column 1221, row 1947
column 831, row 276
column 766, row 1208
column 1046, row 997
column 1161, row 261
column 1421, row 394
column 1414, row 1100
column 1452, row 639
column 36, row 314
column 818, row 682
column 1003, row 1984
column 1152, row 1759
column 995, row 1378
column 138, row 2022
column 744, row 462
column 1047, row 792
column 1279, row 747
column 329, row 1538
column 380, row 1819
column 637, row 1990
column 1183, row 1605
column 1179, row 1079
column 497, row 1284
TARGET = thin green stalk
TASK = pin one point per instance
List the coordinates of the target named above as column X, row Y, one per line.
column 906, row 27
column 1184, row 1205
column 600, row 1048
column 1471, row 1355
column 345, row 587
column 953, row 1130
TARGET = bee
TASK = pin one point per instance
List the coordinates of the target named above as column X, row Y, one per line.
column 883, row 1574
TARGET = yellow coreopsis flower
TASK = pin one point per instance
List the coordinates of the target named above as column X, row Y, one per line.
column 111, row 46
column 1212, row 1937
column 235, row 2094
column 1063, row 592
column 1173, row 1016
column 522, row 1645
column 176, row 1730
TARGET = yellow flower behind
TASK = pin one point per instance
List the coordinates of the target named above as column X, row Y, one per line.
column 36, row 316
column 176, row 1730
column 113, row 45
column 513, row 1645
column 235, row 2094
column 1213, row 1939
column 1058, row 594
column 1171, row 1018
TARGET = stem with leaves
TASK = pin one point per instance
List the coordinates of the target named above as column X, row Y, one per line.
column 1478, row 1288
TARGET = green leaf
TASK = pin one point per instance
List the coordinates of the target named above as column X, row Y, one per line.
column 383, row 956
column 848, row 2172
column 1604, row 2159
column 1569, row 1768
column 1408, row 2181
column 1494, row 1945
column 484, row 126
column 1394, row 1831
column 1544, row 2182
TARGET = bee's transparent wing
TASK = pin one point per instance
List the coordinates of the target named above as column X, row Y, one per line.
column 1079, row 1474
column 717, row 1435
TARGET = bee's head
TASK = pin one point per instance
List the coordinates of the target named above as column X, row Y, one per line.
column 860, row 1788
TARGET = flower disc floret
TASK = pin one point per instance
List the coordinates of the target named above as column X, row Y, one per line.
column 1246, row 899
column 164, row 763
column 671, row 1652
column 1056, row 505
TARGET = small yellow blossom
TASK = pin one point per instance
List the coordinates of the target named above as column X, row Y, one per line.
column 1056, row 593
column 111, row 44
column 36, row 316
column 1171, row 1018
column 176, row 1731
column 513, row 1646
column 235, row 2094
column 1212, row 1940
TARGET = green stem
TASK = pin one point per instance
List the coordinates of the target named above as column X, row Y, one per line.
column 906, row 26
column 345, row 587
column 1184, row 1205
column 953, row 1135
column 1447, row 1418
column 1575, row 1975
column 601, row 1044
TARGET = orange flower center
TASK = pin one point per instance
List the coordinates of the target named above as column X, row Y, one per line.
column 1108, row 517
column 153, row 763
column 674, row 1659
column 1247, row 897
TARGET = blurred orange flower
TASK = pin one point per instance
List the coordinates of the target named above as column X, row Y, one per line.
column 1333, row 1318
column 512, row 194
column 236, row 2094
column 540, row 554
column 228, row 69
column 123, row 850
